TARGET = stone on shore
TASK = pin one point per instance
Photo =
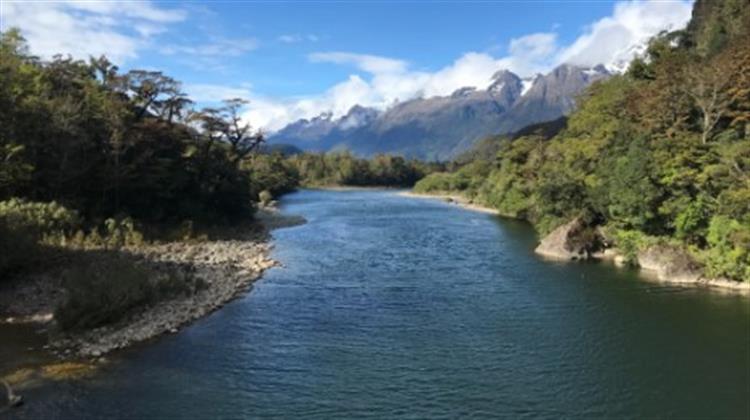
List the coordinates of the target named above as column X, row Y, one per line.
column 571, row 241
column 669, row 263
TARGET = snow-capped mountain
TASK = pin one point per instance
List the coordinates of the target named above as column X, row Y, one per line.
column 442, row 127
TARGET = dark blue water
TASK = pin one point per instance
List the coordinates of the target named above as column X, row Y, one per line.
column 392, row 307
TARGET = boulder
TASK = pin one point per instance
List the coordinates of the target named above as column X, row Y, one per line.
column 669, row 263
column 574, row 240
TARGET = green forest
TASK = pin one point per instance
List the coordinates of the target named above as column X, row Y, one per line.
column 85, row 147
column 660, row 154
column 95, row 161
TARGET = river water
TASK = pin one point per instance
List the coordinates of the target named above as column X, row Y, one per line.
column 396, row 307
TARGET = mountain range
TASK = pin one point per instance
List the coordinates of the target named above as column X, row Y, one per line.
column 442, row 127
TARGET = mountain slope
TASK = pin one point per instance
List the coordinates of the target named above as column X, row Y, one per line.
column 440, row 128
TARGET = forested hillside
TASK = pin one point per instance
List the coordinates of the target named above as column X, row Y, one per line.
column 99, row 166
column 658, row 155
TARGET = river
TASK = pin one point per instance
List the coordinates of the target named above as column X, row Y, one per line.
column 395, row 307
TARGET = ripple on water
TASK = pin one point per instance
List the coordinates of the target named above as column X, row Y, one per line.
column 391, row 307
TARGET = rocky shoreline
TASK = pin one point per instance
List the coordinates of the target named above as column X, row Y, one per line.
column 565, row 244
column 574, row 241
column 226, row 268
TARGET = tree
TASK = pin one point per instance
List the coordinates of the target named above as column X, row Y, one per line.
column 707, row 84
column 237, row 132
column 148, row 90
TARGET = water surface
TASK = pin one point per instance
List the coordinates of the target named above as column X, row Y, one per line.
column 395, row 307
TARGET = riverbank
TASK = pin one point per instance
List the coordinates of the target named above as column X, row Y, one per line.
column 651, row 269
column 456, row 199
column 349, row 187
column 225, row 268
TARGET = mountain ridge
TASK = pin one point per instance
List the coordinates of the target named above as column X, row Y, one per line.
column 442, row 127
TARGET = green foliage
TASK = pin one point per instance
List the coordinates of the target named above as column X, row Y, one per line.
column 663, row 151
column 630, row 242
column 632, row 195
column 690, row 224
column 31, row 232
column 122, row 143
column 38, row 218
column 271, row 173
column 343, row 168
column 728, row 253
column 715, row 23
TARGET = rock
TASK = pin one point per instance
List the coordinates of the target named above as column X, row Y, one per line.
column 173, row 330
column 96, row 353
column 571, row 241
column 669, row 263
column 620, row 261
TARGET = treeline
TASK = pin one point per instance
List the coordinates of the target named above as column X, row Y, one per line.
column 94, row 162
column 108, row 144
column 82, row 142
column 660, row 154
column 343, row 168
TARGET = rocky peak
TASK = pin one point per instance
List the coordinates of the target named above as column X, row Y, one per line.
column 506, row 87
column 463, row 92
column 357, row 116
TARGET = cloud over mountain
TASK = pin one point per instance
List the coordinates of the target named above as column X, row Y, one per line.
column 382, row 81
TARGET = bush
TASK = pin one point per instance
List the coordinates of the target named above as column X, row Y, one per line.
column 437, row 182
column 728, row 253
column 109, row 289
column 23, row 225
column 37, row 218
column 115, row 234
column 629, row 242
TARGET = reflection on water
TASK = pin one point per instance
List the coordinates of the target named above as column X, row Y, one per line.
column 393, row 307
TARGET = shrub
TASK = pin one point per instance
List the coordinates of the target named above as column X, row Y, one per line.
column 629, row 242
column 37, row 218
column 436, row 182
column 728, row 253
column 23, row 224
column 110, row 288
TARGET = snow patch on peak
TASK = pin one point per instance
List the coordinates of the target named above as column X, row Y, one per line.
column 528, row 82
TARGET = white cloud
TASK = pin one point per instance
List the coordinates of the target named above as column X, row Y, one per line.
column 295, row 38
column 208, row 93
column 218, row 47
column 81, row 29
column 132, row 9
column 631, row 23
column 386, row 80
column 365, row 62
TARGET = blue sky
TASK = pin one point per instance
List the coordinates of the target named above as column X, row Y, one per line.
column 298, row 59
column 427, row 35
